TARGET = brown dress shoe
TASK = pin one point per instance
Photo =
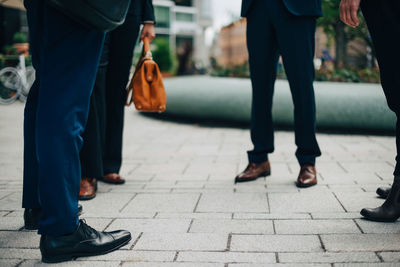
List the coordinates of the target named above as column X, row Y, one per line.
column 307, row 176
column 254, row 171
column 112, row 178
column 88, row 188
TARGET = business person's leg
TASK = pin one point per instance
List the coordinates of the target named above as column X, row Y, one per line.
column 296, row 43
column 63, row 103
column 30, row 200
column 120, row 53
column 91, row 154
column 383, row 19
column 63, row 93
column 263, row 59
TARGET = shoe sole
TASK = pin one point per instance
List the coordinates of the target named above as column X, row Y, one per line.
column 31, row 227
column 108, row 182
column 244, row 180
column 63, row 258
column 365, row 217
column 84, row 198
column 299, row 185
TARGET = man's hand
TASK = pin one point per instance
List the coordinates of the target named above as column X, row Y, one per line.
column 148, row 31
column 348, row 12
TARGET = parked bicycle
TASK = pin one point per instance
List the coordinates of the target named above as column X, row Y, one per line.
column 15, row 83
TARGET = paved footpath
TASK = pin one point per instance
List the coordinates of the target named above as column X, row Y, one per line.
column 183, row 209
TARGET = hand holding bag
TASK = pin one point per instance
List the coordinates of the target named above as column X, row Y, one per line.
column 146, row 89
column 102, row 15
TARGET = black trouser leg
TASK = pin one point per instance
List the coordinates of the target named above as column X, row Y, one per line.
column 383, row 20
column 263, row 59
column 120, row 52
column 92, row 150
column 296, row 41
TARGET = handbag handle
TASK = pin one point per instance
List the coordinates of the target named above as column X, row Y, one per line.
column 146, row 48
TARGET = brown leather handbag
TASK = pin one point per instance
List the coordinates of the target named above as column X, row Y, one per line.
column 146, row 89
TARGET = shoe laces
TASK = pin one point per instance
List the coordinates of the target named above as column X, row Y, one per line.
column 86, row 229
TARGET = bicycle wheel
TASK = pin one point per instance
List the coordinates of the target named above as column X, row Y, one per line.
column 10, row 85
column 30, row 78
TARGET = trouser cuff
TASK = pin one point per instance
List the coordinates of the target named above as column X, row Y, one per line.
column 257, row 157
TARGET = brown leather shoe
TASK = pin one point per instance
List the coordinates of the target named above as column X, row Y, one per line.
column 254, row 171
column 307, row 176
column 113, row 178
column 88, row 188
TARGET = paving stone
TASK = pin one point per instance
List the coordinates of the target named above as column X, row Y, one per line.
column 114, row 215
column 162, row 203
column 326, row 257
column 275, row 243
column 11, row 223
column 170, row 264
column 29, row 263
column 11, row 202
column 370, row 227
column 151, row 225
column 9, row 263
column 135, row 256
column 366, row 265
column 18, row 253
column 179, row 241
column 354, row 202
column 232, row 226
column 197, row 215
column 315, row 227
column 365, row 242
column 231, row 202
column 277, row 264
column 271, row 216
column 107, row 202
column 14, row 239
column 390, row 256
column 16, row 213
column 303, row 202
column 335, row 215
column 226, row 257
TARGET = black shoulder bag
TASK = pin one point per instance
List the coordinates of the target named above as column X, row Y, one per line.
column 102, row 15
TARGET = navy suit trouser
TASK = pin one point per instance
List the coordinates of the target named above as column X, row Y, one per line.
column 65, row 56
column 383, row 19
column 273, row 30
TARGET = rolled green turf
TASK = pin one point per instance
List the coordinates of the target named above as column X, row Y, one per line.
column 340, row 106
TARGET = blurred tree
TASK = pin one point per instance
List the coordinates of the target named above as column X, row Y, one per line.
column 342, row 34
column 162, row 54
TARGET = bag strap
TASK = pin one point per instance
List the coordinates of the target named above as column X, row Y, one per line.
column 146, row 55
column 146, row 48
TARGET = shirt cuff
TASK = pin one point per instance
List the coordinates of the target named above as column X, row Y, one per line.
column 148, row 22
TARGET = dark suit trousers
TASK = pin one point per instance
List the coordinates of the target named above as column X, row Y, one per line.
column 65, row 56
column 383, row 19
column 272, row 30
column 102, row 149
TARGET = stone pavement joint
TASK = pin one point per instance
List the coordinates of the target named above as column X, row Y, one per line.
column 183, row 209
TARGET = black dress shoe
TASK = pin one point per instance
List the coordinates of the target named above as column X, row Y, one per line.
column 390, row 209
column 31, row 217
column 383, row 192
column 84, row 242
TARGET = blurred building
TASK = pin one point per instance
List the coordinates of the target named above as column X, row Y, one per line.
column 231, row 47
column 184, row 23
